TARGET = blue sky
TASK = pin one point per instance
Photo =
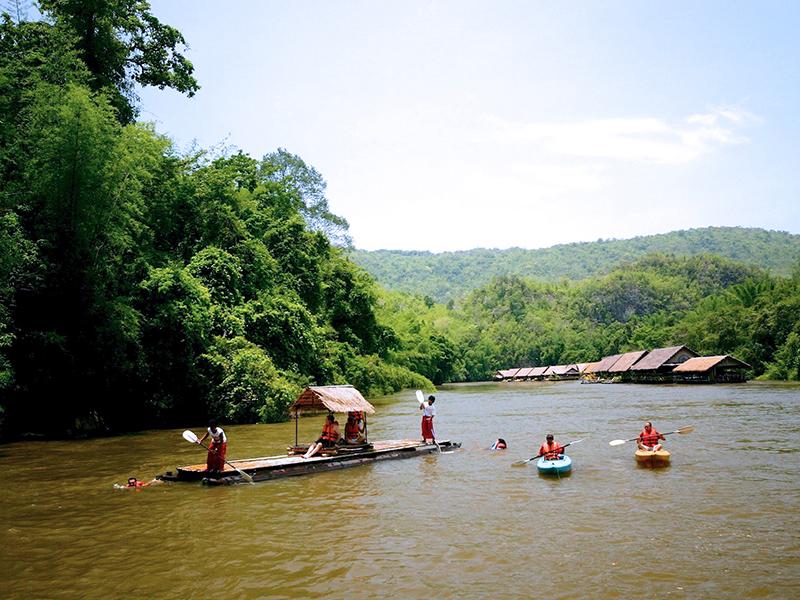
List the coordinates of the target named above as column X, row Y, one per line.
column 455, row 125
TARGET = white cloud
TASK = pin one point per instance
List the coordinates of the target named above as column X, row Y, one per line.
column 632, row 139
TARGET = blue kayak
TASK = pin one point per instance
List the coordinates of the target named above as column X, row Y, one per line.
column 554, row 467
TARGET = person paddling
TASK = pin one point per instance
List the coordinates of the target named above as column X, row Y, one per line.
column 428, row 413
column 550, row 449
column 648, row 438
column 215, row 461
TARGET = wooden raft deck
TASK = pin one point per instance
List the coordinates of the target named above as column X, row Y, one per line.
column 274, row 467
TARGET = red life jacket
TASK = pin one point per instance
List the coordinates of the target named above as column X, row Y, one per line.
column 351, row 429
column 550, row 452
column 649, row 439
column 328, row 432
column 357, row 415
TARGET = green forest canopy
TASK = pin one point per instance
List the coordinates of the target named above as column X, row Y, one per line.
column 451, row 275
column 141, row 286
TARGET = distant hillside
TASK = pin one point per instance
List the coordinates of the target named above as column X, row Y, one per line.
column 452, row 274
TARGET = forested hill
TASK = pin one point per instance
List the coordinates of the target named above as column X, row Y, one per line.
column 449, row 275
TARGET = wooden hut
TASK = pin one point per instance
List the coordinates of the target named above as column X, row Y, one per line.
column 560, row 372
column 537, row 373
column 657, row 365
column 621, row 368
column 523, row 374
column 711, row 369
column 505, row 374
column 602, row 367
column 334, row 398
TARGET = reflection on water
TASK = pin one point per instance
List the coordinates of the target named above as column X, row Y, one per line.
column 722, row 521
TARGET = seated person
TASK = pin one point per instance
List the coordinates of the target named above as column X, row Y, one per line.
column 550, row 449
column 354, row 429
column 500, row 444
column 328, row 439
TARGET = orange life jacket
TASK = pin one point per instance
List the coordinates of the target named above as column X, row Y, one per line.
column 329, row 432
column 351, row 430
column 550, row 452
column 649, row 439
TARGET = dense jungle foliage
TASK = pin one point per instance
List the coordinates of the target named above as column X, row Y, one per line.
column 713, row 305
column 451, row 275
column 141, row 286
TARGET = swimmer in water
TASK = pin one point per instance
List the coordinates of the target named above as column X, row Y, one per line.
column 500, row 444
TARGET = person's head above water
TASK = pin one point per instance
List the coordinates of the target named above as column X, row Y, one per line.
column 131, row 481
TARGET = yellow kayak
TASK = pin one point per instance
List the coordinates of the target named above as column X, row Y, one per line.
column 648, row 458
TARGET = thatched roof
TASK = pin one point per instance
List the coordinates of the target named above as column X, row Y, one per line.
column 626, row 361
column 701, row 364
column 661, row 356
column 335, row 398
column 602, row 366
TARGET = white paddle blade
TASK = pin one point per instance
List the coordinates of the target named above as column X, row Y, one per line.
column 687, row 429
column 190, row 437
column 420, row 397
column 616, row 442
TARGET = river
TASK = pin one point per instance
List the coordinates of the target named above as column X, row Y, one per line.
column 721, row 522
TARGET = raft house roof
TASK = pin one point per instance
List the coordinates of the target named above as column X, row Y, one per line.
column 660, row 357
column 508, row 373
column 603, row 365
column 335, row 398
column 701, row 364
column 538, row 371
column 524, row 372
column 582, row 367
column 560, row 369
column 626, row 361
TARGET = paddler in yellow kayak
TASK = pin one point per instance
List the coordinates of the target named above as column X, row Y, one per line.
column 648, row 438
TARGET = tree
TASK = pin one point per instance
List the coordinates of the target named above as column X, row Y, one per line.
column 307, row 190
column 123, row 45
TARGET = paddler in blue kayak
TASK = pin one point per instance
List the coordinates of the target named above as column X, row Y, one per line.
column 550, row 449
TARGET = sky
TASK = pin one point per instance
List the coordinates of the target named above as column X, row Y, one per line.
column 448, row 126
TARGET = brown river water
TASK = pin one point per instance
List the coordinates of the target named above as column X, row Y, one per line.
column 722, row 521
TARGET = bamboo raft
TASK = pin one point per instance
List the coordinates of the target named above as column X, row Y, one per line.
column 293, row 464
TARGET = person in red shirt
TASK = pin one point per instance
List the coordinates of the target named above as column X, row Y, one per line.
column 649, row 437
column 550, row 449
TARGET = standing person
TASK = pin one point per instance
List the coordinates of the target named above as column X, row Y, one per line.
column 648, row 438
column 550, row 449
column 215, row 461
column 328, row 439
column 428, row 413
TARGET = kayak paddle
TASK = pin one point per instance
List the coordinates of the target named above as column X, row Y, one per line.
column 687, row 429
column 519, row 463
column 190, row 437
